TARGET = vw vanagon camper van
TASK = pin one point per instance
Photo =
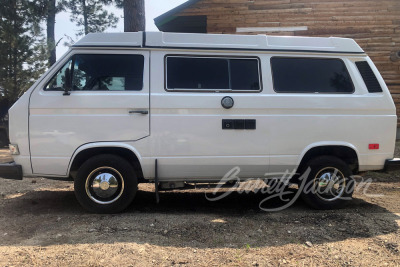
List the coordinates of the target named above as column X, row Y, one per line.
column 120, row 109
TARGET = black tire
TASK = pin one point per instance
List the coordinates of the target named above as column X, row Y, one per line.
column 105, row 184
column 318, row 192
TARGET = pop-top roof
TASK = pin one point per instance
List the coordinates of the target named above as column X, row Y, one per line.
column 220, row 42
column 134, row 39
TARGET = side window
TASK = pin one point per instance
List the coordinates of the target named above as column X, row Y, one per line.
column 244, row 74
column 310, row 75
column 197, row 73
column 57, row 83
column 94, row 72
column 212, row 73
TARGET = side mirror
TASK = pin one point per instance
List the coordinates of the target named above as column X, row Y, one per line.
column 67, row 85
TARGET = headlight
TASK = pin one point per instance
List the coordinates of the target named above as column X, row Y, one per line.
column 14, row 149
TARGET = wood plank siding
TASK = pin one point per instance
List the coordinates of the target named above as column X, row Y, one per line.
column 374, row 24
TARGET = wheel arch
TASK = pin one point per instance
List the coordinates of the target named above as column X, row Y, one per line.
column 345, row 151
column 89, row 150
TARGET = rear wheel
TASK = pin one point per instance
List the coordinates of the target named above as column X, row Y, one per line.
column 329, row 184
column 105, row 184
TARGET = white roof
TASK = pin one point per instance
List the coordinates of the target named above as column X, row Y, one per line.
column 112, row 39
column 221, row 41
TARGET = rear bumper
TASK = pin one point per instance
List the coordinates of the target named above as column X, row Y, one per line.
column 392, row 165
column 11, row 171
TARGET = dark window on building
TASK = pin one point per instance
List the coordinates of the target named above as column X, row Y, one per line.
column 369, row 77
column 198, row 73
column 310, row 75
column 101, row 73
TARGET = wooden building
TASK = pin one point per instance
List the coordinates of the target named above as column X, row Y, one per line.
column 374, row 24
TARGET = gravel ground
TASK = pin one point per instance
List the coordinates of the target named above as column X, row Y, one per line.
column 41, row 223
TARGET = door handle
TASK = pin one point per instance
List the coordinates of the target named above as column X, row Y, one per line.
column 143, row 112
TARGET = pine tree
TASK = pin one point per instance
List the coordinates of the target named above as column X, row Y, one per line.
column 90, row 15
column 22, row 49
column 46, row 10
column 50, row 28
column 134, row 14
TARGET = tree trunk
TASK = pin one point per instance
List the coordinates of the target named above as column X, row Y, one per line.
column 51, row 21
column 14, row 72
column 134, row 16
column 85, row 17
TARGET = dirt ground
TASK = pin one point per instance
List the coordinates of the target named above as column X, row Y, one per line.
column 41, row 223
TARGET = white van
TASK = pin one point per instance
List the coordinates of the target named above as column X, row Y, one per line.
column 120, row 109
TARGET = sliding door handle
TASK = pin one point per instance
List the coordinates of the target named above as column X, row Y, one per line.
column 143, row 112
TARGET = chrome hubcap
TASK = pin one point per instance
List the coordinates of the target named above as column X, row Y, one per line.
column 104, row 185
column 329, row 184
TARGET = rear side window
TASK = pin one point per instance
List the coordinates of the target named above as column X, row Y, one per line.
column 212, row 73
column 369, row 77
column 100, row 73
column 310, row 75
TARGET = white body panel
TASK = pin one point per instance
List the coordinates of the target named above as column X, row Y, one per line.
column 183, row 129
column 59, row 124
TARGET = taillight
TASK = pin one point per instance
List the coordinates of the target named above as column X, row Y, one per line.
column 373, row 146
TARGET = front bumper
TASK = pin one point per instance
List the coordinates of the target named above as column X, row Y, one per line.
column 392, row 165
column 11, row 171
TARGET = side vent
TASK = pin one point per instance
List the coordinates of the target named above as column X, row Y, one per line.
column 369, row 77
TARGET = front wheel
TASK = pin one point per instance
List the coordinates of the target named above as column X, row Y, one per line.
column 105, row 184
column 328, row 184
